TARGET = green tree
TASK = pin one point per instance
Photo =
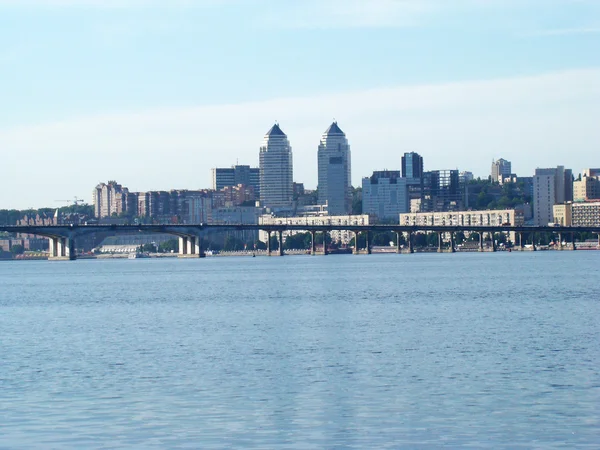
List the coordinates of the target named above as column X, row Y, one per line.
column 170, row 246
column 17, row 249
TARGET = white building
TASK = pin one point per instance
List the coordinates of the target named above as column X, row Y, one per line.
column 343, row 236
column 385, row 195
column 335, row 185
column 550, row 187
column 276, row 170
column 579, row 214
column 499, row 217
column 501, row 169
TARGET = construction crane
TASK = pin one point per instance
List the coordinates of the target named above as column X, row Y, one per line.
column 76, row 201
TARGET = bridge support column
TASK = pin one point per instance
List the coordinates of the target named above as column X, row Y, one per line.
column 573, row 241
column 368, row 249
column 440, row 242
column 356, row 250
column 268, row 243
column 493, row 242
column 559, row 246
column 599, row 240
column 398, row 249
column 313, row 244
column 325, row 251
column 61, row 249
column 409, row 239
column 452, row 243
column 198, row 250
column 182, row 246
column 188, row 247
column 533, row 246
column 481, row 242
column 521, row 243
column 280, row 241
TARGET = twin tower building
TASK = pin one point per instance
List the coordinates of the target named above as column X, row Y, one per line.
column 334, row 183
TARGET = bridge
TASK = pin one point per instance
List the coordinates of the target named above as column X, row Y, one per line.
column 62, row 238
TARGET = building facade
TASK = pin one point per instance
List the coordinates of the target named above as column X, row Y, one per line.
column 334, row 169
column 501, row 169
column 588, row 188
column 223, row 177
column 276, row 170
column 580, row 214
column 442, row 191
column 385, row 195
column 342, row 236
column 550, row 187
column 412, row 165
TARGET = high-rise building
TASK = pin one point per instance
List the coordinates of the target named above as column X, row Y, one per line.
column 501, row 169
column 276, row 169
column 442, row 191
column 412, row 165
column 385, row 195
column 335, row 184
column 233, row 176
column 588, row 188
column 550, row 187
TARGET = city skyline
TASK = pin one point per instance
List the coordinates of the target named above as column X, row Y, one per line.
column 132, row 88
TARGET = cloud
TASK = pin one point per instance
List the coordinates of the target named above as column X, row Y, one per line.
column 542, row 120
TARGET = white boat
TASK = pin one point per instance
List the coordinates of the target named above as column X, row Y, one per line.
column 137, row 255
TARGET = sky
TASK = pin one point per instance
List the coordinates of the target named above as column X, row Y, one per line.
column 155, row 93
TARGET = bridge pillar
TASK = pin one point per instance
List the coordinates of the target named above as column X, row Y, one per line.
column 367, row 242
column 481, row 242
column 398, row 249
column 325, row 251
column 313, row 244
column 409, row 239
column 182, row 246
column 560, row 241
column 198, row 250
column 573, row 241
column 280, row 241
column 494, row 247
column 452, row 243
column 356, row 250
column 598, row 239
column 189, row 247
column 521, row 243
column 62, row 249
column 268, row 243
column 440, row 242
column 534, row 248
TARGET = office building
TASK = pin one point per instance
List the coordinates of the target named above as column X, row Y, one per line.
column 223, row 177
column 334, row 167
column 501, row 169
column 412, row 165
column 550, row 187
column 581, row 214
column 385, row 195
column 276, row 170
column 442, row 191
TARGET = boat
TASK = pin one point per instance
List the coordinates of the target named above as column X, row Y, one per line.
column 138, row 255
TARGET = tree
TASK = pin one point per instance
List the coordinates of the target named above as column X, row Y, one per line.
column 170, row 246
column 356, row 200
column 17, row 249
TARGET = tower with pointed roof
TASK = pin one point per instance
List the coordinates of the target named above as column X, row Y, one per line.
column 335, row 184
column 276, row 169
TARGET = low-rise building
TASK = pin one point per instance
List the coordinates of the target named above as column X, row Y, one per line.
column 512, row 217
column 579, row 214
column 342, row 236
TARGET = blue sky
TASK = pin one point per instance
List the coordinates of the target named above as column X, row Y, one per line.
column 155, row 95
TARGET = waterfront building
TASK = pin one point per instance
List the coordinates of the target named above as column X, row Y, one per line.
column 501, row 169
column 385, row 195
column 588, row 188
column 236, row 175
column 342, row 236
column 334, row 171
column 578, row 214
column 276, row 170
column 105, row 199
column 550, row 187
column 512, row 217
column 412, row 165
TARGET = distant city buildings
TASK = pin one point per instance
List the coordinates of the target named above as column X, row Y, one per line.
column 385, row 195
column 582, row 214
column 235, row 176
column 334, row 171
column 588, row 188
column 442, row 191
column 550, row 187
column 276, row 170
column 501, row 169
column 412, row 165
